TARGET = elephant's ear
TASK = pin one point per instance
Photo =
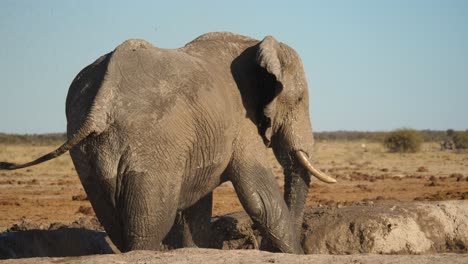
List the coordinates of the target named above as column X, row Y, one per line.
column 268, row 58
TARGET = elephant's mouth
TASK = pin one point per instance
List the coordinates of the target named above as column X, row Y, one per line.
column 304, row 161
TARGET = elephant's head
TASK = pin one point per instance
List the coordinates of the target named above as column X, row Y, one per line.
column 284, row 121
column 285, row 124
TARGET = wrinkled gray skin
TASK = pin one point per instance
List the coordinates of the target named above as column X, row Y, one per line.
column 153, row 131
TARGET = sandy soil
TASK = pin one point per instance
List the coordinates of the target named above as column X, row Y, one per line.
column 366, row 172
column 208, row 256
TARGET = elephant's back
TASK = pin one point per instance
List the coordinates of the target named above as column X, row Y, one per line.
column 146, row 78
column 136, row 78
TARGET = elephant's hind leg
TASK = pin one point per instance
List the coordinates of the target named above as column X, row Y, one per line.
column 147, row 211
column 192, row 227
column 261, row 197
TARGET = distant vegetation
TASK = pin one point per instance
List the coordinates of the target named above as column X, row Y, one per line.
column 33, row 139
column 403, row 140
column 378, row 136
column 458, row 137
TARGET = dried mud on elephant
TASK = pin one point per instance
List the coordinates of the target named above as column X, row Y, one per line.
column 152, row 132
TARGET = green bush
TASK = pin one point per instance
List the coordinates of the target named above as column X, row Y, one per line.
column 403, row 140
column 460, row 139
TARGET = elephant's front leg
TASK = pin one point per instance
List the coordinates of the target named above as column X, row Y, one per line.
column 261, row 197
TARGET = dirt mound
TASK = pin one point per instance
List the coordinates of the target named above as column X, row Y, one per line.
column 411, row 228
column 408, row 228
column 90, row 223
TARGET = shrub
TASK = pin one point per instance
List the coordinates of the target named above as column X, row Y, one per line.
column 460, row 139
column 450, row 133
column 403, row 140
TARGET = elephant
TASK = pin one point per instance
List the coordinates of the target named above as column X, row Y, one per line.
column 152, row 132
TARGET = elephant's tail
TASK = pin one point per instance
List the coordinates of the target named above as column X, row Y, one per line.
column 91, row 109
column 79, row 136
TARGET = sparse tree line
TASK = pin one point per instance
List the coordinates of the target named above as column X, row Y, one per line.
column 400, row 140
column 376, row 136
column 456, row 140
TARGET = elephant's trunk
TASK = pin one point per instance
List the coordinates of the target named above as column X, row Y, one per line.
column 293, row 145
column 296, row 188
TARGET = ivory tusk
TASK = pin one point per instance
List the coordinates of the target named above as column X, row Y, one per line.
column 315, row 172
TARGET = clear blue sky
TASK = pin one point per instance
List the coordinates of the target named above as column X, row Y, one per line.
column 371, row 65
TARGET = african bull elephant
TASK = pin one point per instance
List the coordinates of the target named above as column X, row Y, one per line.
column 153, row 131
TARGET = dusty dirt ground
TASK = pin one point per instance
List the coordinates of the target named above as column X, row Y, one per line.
column 366, row 173
column 210, row 256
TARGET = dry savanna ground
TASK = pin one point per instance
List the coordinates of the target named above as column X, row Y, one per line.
column 366, row 173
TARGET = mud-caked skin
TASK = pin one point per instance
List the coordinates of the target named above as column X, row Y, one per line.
column 153, row 131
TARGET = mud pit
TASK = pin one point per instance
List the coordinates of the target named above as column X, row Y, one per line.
column 369, row 179
column 407, row 228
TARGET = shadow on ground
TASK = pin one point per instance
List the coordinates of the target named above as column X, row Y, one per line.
column 53, row 243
